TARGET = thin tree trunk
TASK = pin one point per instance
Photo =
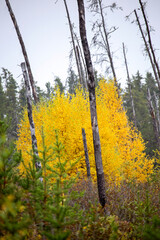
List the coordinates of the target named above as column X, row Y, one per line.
column 152, row 113
column 84, row 84
column 86, row 153
column 157, row 110
column 149, row 40
column 73, row 42
column 108, row 46
column 87, row 160
column 23, row 50
column 83, row 61
column 130, row 88
column 148, row 50
column 30, row 116
column 92, row 99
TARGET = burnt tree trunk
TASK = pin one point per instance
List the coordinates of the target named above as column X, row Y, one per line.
column 149, row 39
column 130, row 88
column 86, row 153
column 87, row 160
column 92, row 99
column 152, row 113
column 84, row 83
column 147, row 49
column 23, row 50
column 83, row 61
column 73, row 41
column 30, row 116
column 157, row 110
column 108, row 46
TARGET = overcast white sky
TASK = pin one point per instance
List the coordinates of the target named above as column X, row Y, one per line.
column 45, row 31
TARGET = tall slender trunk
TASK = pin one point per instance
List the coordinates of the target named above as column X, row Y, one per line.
column 83, row 61
column 84, row 84
column 157, row 110
column 92, row 99
column 30, row 116
column 130, row 87
column 108, row 46
column 87, row 160
column 23, row 50
column 86, row 153
column 149, row 39
column 148, row 50
column 152, row 113
column 73, row 41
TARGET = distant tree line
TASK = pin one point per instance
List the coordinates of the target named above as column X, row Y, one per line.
column 13, row 96
column 143, row 115
column 13, row 100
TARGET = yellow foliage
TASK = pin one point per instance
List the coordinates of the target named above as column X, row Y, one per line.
column 122, row 147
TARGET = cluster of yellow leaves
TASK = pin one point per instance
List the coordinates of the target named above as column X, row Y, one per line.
column 122, row 147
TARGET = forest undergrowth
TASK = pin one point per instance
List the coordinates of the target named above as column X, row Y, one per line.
column 67, row 207
column 57, row 201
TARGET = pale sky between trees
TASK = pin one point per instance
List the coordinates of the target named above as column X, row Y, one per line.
column 45, row 31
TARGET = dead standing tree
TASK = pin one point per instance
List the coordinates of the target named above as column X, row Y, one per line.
column 147, row 49
column 84, row 82
column 84, row 68
column 87, row 159
column 30, row 117
column 156, row 98
column 150, row 40
column 75, row 48
column 130, row 87
column 92, row 99
column 107, row 41
column 102, row 32
column 86, row 153
column 150, row 51
column 23, row 50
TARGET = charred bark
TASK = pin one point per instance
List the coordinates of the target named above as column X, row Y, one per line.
column 73, row 41
column 86, row 153
column 150, row 40
column 83, row 61
column 23, row 50
column 130, row 87
column 147, row 49
column 92, row 99
column 108, row 46
column 84, row 83
column 30, row 116
column 87, row 160
column 156, row 98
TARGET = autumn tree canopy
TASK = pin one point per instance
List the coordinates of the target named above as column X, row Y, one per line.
column 122, row 146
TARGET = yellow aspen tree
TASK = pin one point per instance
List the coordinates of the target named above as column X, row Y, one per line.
column 122, row 147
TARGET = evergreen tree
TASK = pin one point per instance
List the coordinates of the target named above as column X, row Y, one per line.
column 144, row 120
column 22, row 96
column 72, row 81
column 2, row 100
column 49, row 90
column 13, row 225
column 59, row 84
column 151, row 83
column 141, row 107
column 97, row 77
column 11, row 102
column 40, row 93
